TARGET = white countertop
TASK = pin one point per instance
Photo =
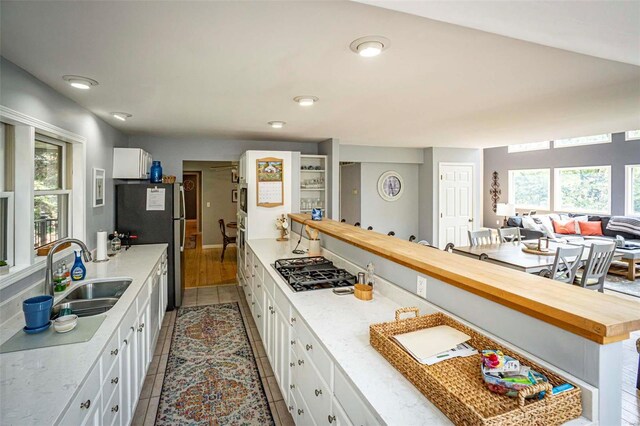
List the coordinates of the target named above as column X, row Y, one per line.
column 342, row 325
column 37, row 385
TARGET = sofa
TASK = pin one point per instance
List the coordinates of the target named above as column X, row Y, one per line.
column 524, row 223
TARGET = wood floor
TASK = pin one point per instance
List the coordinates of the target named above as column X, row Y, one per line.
column 203, row 267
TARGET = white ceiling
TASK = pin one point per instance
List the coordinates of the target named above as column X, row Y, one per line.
column 224, row 69
column 602, row 28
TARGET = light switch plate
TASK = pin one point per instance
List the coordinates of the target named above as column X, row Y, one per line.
column 421, row 288
column 208, row 204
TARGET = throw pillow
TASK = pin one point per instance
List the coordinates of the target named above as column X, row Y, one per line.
column 579, row 219
column 547, row 226
column 568, row 227
column 529, row 223
column 590, row 228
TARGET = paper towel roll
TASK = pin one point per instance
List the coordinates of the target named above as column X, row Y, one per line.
column 101, row 247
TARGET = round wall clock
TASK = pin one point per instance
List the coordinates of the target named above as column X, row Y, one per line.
column 390, row 185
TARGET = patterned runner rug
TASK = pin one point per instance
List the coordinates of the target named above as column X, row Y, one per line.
column 211, row 376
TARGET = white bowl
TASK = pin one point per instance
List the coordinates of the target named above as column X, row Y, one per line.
column 65, row 324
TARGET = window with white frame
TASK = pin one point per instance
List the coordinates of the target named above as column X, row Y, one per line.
column 583, row 140
column 583, row 189
column 530, row 188
column 51, row 194
column 632, row 135
column 632, row 186
column 6, row 197
column 525, row 147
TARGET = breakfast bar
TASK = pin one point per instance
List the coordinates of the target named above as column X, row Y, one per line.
column 579, row 331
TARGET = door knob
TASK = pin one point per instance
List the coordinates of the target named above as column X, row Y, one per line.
column 470, row 219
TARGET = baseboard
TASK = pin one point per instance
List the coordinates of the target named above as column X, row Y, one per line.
column 206, row 246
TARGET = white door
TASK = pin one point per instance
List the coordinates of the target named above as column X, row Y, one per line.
column 456, row 204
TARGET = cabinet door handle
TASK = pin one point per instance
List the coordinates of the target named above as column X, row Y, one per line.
column 140, row 329
column 259, row 316
column 114, row 352
column 300, row 411
column 331, row 418
column 291, row 408
column 309, row 347
column 293, row 319
column 292, row 386
column 86, row 404
column 115, row 409
column 293, row 342
column 133, row 329
column 300, row 361
column 259, row 285
column 126, row 342
column 292, row 364
column 114, row 381
column 318, row 392
column 253, row 303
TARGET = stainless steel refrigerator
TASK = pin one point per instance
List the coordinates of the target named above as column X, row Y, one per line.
column 142, row 212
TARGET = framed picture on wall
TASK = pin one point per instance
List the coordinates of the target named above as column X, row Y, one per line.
column 234, row 195
column 98, row 187
column 234, row 176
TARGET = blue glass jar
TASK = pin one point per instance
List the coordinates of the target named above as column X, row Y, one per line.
column 156, row 172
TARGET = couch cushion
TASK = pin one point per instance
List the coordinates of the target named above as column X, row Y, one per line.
column 515, row 221
column 590, row 228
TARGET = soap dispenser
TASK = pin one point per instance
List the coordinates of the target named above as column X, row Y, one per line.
column 78, row 271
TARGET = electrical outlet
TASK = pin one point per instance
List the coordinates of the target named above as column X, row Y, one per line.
column 421, row 288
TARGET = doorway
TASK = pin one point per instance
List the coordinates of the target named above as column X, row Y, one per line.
column 209, row 197
column 191, row 183
column 455, row 216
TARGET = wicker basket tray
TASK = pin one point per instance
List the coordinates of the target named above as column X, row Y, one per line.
column 456, row 387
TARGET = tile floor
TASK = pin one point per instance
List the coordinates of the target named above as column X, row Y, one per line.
column 150, row 396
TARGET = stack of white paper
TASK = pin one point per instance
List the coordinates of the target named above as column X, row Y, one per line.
column 431, row 345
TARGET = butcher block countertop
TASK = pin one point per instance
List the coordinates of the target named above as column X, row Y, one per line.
column 598, row 317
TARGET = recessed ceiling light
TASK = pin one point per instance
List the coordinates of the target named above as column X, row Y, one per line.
column 369, row 46
column 79, row 82
column 122, row 116
column 276, row 124
column 306, row 100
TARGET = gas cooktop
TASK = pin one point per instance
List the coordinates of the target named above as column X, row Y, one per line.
column 312, row 273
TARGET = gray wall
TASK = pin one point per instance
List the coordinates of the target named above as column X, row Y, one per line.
column 616, row 154
column 350, row 202
column 24, row 93
column 172, row 151
column 429, row 186
column 400, row 216
column 216, row 189
column 379, row 154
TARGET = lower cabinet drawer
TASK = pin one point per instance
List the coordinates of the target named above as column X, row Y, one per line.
column 112, row 409
column 86, row 400
column 111, row 352
column 300, row 412
column 338, row 417
column 316, row 394
column 358, row 412
column 313, row 349
column 111, row 382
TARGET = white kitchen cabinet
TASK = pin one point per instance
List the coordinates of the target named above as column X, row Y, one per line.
column 112, row 388
column 131, row 163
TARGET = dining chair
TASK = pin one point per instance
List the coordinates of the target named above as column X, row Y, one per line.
column 449, row 247
column 226, row 240
column 477, row 238
column 565, row 264
column 483, row 256
column 509, row 235
column 595, row 270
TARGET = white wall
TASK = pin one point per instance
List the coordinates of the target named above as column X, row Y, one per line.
column 400, row 216
column 350, row 193
column 380, row 154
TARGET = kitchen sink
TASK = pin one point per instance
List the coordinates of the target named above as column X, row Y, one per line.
column 92, row 298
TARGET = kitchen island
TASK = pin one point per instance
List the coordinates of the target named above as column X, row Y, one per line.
column 576, row 330
column 331, row 334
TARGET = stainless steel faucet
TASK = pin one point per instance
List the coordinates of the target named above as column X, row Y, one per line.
column 48, row 276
